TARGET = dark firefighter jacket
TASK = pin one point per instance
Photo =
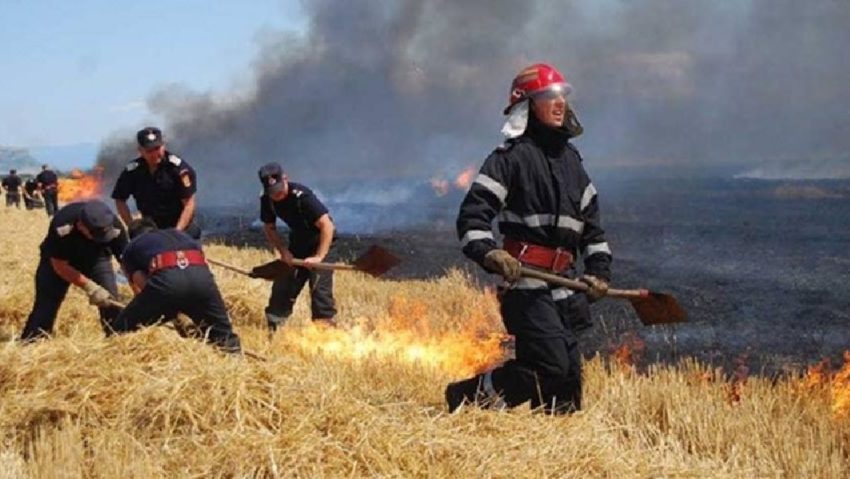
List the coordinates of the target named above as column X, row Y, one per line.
column 538, row 191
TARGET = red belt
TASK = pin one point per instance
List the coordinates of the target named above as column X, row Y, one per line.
column 552, row 259
column 176, row 259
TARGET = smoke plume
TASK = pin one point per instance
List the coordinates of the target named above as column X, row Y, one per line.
column 383, row 90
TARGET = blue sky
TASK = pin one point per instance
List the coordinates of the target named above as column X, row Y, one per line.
column 73, row 72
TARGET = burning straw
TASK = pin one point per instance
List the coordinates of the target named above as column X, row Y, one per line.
column 364, row 400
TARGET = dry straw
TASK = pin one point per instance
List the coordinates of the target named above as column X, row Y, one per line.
column 366, row 401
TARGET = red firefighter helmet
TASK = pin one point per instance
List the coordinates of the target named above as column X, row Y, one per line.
column 534, row 80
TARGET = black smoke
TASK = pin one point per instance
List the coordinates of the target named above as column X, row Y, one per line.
column 384, row 90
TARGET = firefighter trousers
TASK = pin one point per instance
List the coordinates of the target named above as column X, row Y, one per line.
column 50, row 291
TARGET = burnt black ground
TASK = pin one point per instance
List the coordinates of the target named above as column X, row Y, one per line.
column 762, row 267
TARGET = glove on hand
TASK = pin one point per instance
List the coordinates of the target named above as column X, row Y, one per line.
column 98, row 295
column 597, row 288
column 501, row 262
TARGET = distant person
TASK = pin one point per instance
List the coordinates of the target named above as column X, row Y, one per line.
column 168, row 273
column 311, row 232
column 162, row 184
column 537, row 189
column 80, row 240
column 12, row 185
column 48, row 185
column 32, row 198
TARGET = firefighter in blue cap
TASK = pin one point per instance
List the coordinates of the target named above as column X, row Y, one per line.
column 311, row 232
column 169, row 274
column 162, row 183
column 80, row 242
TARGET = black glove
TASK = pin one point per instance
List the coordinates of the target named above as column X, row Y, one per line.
column 501, row 262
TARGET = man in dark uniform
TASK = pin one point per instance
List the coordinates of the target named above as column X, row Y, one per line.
column 77, row 250
column 168, row 273
column 547, row 210
column 311, row 232
column 48, row 185
column 162, row 184
column 31, row 196
column 12, row 184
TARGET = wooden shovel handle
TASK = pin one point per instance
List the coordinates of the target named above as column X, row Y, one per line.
column 577, row 285
column 336, row 266
column 231, row 267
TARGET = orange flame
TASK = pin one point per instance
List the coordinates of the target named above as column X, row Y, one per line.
column 409, row 337
column 461, row 182
column 835, row 385
column 80, row 186
column 464, row 179
column 817, row 376
column 628, row 353
column 841, row 390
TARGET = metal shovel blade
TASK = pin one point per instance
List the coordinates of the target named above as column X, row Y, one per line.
column 271, row 271
column 376, row 261
column 658, row 308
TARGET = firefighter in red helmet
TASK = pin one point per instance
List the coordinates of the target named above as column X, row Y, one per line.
column 538, row 191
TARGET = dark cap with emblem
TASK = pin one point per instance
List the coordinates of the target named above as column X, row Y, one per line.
column 271, row 176
column 100, row 221
column 149, row 137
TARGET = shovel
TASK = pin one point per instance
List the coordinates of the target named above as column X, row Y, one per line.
column 375, row 261
column 652, row 307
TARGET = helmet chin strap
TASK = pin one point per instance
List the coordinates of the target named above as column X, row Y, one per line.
column 517, row 120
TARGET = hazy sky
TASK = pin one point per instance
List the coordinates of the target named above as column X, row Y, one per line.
column 75, row 71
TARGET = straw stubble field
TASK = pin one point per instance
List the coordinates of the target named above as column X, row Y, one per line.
column 366, row 400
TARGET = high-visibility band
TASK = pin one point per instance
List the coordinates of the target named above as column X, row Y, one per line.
column 592, row 249
column 474, row 235
column 588, row 195
column 559, row 294
column 536, row 221
column 529, row 283
column 493, row 186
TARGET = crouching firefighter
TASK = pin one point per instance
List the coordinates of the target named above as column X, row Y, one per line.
column 77, row 250
column 168, row 274
column 537, row 189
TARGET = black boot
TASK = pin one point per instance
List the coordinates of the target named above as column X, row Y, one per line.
column 467, row 391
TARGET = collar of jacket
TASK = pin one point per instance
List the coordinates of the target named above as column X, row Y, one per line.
column 551, row 140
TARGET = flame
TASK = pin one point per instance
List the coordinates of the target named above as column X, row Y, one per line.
column 816, row 376
column 841, row 390
column 628, row 353
column 80, row 186
column 836, row 385
column 408, row 337
column 461, row 182
column 464, row 179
